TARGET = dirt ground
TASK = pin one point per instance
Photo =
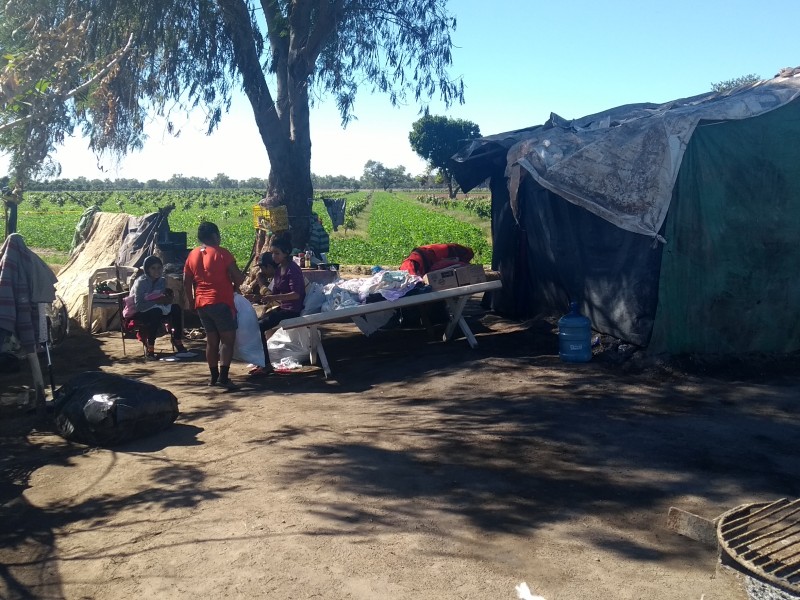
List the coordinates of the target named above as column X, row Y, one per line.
column 422, row 470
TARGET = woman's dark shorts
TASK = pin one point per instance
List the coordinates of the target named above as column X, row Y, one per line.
column 217, row 318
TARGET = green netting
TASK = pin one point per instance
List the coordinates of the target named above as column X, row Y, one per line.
column 729, row 275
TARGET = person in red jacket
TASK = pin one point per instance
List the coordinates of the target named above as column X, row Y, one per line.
column 210, row 276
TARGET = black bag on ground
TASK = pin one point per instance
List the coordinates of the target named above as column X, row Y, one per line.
column 103, row 409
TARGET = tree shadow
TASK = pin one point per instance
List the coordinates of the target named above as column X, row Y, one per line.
column 591, row 441
column 29, row 548
column 516, row 463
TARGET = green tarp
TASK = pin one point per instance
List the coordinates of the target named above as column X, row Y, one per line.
column 729, row 274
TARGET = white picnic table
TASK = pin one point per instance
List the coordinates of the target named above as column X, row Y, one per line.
column 455, row 298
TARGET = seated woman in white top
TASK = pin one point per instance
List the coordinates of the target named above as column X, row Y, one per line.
column 153, row 301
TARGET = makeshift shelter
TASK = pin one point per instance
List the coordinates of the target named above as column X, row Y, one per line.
column 117, row 239
column 674, row 225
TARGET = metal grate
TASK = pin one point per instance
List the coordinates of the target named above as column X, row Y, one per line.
column 763, row 539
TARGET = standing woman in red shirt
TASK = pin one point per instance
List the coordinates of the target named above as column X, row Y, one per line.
column 210, row 277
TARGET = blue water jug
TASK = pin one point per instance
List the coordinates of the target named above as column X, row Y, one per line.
column 574, row 336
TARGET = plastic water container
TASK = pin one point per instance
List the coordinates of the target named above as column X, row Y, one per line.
column 574, row 336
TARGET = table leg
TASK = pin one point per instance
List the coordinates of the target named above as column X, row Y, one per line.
column 313, row 343
column 473, row 343
column 38, row 384
column 455, row 307
column 316, row 335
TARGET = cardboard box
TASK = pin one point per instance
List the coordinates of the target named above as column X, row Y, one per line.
column 469, row 274
column 443, row 279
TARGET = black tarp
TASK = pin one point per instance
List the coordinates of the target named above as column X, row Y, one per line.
column 104, row 409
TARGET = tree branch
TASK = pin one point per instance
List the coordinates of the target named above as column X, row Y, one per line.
column 328, row 15
column 102, row 72
column 237, row 22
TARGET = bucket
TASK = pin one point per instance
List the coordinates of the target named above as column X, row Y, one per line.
column 574, row 336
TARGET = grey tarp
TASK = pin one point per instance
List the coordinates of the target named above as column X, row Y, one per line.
column 140, row 237
column 620, row 164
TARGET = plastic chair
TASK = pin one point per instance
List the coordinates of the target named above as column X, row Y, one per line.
column 121, row 276
column 133, row 327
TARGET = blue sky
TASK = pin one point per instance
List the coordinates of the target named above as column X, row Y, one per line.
column 520, row 60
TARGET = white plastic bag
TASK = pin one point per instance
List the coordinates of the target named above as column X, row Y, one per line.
column 294, row 344
column 315, row 297
column 247, row 347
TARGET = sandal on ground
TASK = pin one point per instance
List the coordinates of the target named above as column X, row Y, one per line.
column 259, row 372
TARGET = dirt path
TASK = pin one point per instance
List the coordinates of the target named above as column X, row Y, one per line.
column 423, row 471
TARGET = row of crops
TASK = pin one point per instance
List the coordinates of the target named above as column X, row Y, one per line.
column 397, row 222
column 480, row 205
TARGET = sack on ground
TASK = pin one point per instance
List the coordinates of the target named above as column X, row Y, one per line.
column 294, row 344
column 103, row 409
column 247, row 347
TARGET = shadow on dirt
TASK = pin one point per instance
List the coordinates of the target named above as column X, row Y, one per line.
column 515, row 464
column 594, row 441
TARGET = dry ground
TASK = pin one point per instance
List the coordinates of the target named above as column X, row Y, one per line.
column 422, row 471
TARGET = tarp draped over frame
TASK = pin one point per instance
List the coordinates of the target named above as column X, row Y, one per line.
column 620, row 164
column 577, row 205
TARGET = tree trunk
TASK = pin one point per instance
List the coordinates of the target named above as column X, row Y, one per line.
column 283, row 123
column 289, row 184
column 450, row 192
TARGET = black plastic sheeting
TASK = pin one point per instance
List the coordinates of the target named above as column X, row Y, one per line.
column 560, row 252
column 103, row 409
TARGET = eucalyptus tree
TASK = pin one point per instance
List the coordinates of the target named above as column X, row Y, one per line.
column 286, row 55
column 47, row 83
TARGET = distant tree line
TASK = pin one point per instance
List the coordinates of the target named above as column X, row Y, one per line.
column 176, row 182
column 375, row 176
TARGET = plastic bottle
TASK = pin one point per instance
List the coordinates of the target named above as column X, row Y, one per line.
column 308, row 257
column 574, row 336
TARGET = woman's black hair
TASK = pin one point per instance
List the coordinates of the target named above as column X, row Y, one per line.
column 265, row 260
column 207, row 232
column 284, row 244
column 150, row 261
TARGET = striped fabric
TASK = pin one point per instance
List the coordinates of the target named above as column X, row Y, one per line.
column 23, row 283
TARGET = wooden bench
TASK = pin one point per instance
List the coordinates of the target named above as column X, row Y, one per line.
column 455, row 298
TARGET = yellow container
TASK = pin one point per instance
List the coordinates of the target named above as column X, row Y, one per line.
column 271, row 219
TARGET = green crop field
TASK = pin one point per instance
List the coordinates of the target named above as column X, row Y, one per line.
column 380, row 227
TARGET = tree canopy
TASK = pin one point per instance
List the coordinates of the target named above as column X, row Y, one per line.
column 285, row 55
column 437, row 138
column 376, row 175
column 729, row 84
column 47, row 84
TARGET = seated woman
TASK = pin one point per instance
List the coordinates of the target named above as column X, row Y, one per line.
column 153, row 301
column 288, row 289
